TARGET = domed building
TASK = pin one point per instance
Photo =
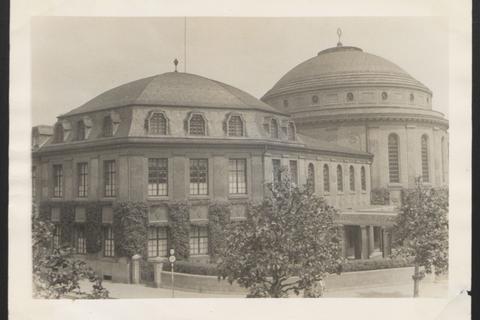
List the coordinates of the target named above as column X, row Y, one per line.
column 358, row 100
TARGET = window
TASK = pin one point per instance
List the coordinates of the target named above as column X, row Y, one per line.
column 412, row 97
column 443, row 155
column 326, row 178
column 198, row 176
column 276, row 172
column 293, row 172
column 315, row 99
column 34, row 182
column 311, row 176
column 349, row 96
column 80, row 130
column 157, row 177
column 363, row 179
column 235, row 126
column 157, row 124
column 339, row 178
column 157, row 241
column 108, row 242
column 237, row 176
column 82, row 176
column 80, row 242
column 198, row 240
column 425, row 168
column 291, row 131
column 57, row 233
column 393, row 151
column 109, row 176
column 107, row 127
column 285, row 103
column 58, row 133
column 352, row 178
column 197, row 125
column 57, row 180
column 274, row 129
column 384, row 95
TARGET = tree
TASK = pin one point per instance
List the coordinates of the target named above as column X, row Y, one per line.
column 56, row 273
column 421, row 230
column 287, row 243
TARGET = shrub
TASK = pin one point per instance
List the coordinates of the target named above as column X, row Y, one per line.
column 380, row 196
column 205, row 269
column 130, row 223
column 374, row 264
column 218, row 219
column 179, row 227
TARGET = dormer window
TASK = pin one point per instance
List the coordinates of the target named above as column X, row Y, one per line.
column 235, row 126
column 196, row 125
column 291, row 131
column 274, row 129
column 107, row 127
column 349, row 96
column 157, row 124
column 58, row 134
column 81, row 130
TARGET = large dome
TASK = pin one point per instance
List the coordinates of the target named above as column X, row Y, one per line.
column 343, row 66
column 174, row 89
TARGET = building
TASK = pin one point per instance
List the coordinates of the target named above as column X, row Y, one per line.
column 179, row 136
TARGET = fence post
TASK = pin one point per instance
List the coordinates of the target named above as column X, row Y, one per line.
column 157, row 270
column 136, row 268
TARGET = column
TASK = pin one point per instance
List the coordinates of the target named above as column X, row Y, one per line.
column 343, row 239
column 136, row 268
column 364, row 241
column 157, row 271
column 386, row 242
column 371, row 240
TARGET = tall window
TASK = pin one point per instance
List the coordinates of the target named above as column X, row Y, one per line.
column 58, row 133
column 235, row 126
column 352, row 178
column 294, row 172
column 158, row 124
column 82, row 176
column 274, row 129
column 393, row 166
column 80, row 130
column 443, row 155
column 34, row 182
column 363, row 179
column 198, row 176
column 339, row 178
column 198, row 240
column 237, row 176
column 311, row 176
column 157, row 241
column 157, row 177
column 80, row 242
column 57, row 233
column 326, row 178
column 109, row 177
column 276, row 172
column 108, row 242
column 107, row 127
column 425, row 173
column 197, row 125
column 291, row 131
column 57, row 180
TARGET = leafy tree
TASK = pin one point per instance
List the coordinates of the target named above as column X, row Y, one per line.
column 421, row 230
column 56, row 273
column 287, row 243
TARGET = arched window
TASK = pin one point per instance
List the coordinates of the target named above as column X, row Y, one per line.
column 58, row 133
column 425, row 167
column 339, row 178
column 235, row 126
column 326, row 178
column 274, row 129
column 311, row 176
column 363, row 179
column 107, row 127
column 197, row 125
column 291, row 131
column 157, row 124
column 80, row 130
column 443, row 160
column 393, row 165
column 352, row 178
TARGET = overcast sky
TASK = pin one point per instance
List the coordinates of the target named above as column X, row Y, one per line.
column 75, row 59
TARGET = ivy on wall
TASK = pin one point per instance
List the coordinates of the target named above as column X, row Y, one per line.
column 218, row 219
column 130, row 223
column 93, row 228
column 179, row 227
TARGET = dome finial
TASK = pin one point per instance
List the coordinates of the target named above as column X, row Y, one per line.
column 339, row 33
column 175, row 62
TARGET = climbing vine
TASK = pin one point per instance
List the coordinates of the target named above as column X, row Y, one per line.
column 179, row 227
column 218, row 219
column 130, row 223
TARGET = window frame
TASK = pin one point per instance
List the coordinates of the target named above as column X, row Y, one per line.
column 351, row 174
column 311, row 175
column 425, row 157
column 291, row 131
column 58, row 133
column 241, row 123
column 199, row 174
column 235, row 176
column 204, row 120
column 156, row 243
column 109, row 179
column 58, row 181
column 393, row 158
column 108, row 243
column 363, row 178
column 107, row 126
column 79, row 243
column 340, row 186
column 153, row 118
column 276, row 171
column 81, row 130
column 161, row 175
column 82, row 180
column 274, row 129
column 201, row 239
column 326, row 178
column 293, row 172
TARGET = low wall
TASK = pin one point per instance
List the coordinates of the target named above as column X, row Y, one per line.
column 117, row 269
column 210, row 284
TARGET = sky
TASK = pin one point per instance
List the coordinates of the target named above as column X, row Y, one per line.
column 76, row 58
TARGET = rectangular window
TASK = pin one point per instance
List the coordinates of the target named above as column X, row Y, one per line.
column 294, row 172
column 157, row 242
column 34, row 182
column 108, row 242
column 57, row 233
column 109, row 175
column 277, row 174
column 198, row 240
column 157, row 177
column 198, row 176
column 57, row 180
column 237, row 176
column 80, row 242
column 82, row 176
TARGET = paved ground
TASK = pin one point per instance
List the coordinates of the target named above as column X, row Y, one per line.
column 427, row 289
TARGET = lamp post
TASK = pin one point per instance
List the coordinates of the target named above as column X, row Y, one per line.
column 172, row 261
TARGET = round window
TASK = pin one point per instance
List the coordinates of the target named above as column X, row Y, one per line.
column 384, row 95
column 349, row 96
column 315, row 99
